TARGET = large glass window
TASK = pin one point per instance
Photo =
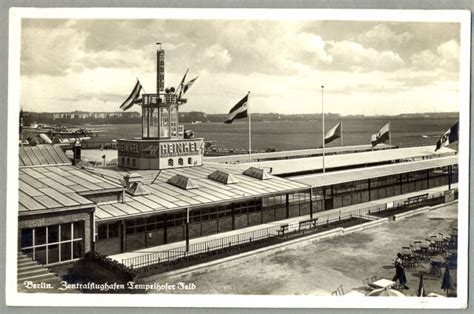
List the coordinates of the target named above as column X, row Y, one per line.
column 165, row 122
column 174, row 121
column 107, row 231
column 53, row 244
column 153, row 122
column 145, row 122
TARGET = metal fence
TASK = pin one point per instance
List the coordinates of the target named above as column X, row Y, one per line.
column 253, row 237
column 226, row 242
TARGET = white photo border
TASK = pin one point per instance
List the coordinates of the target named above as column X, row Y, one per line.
column 232, row 301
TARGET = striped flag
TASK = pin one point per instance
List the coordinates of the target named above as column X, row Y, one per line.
column 239, row 111
column 450, row 136
column 382, row 135
column 180, row 87
column 333, row 134
column 188, row 84
column 130, row 101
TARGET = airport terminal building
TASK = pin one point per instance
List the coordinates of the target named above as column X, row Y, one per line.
column 163, row 190
column 66, row 210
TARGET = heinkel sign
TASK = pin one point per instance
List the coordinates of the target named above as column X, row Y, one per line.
column 160, row 154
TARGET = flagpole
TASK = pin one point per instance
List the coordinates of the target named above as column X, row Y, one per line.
column 342, row 142
column 250, row 126
column 322, row 110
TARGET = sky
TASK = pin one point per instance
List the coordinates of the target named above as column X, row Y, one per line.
column 367, row 67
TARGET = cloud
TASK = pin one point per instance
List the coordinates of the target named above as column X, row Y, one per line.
column 381, row 35
column 446, row 57
column 50, row 51
column 92, row 64
column 217, row 56
column 356, row 57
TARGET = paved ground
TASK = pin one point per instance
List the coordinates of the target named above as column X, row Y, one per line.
column 317, row 268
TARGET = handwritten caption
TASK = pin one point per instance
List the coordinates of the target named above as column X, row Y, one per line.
column 104, row 287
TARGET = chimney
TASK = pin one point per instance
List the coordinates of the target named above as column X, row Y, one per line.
column 134, row 184
column 76, row 152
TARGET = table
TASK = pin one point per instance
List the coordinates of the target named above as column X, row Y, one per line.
column 355, row 293
column 384, row 283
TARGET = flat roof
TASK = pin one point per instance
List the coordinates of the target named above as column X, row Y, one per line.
column 58, row 187
column 244, row 158
column 42, row 155
column 336, row 177
column 280, row 167
column 166, row 197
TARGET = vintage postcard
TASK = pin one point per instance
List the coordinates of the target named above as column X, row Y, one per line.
column 244, row 157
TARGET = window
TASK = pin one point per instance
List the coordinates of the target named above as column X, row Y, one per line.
column 133, row 163
column 54, row 244
column 145, row 122
column 128, row 161
column 153, row 122
column 164, row 122
column 170, row 162
column 174, row 121
column 180, row 161
column 123, row 161
column 102, row 232
column 190, row 161
column 108, row 231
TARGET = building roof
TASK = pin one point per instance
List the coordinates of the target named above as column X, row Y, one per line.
column 46, row 188
column 282, row 167
column 244, row 158
column 42, row 155
column 167, row 197
column 351, row 175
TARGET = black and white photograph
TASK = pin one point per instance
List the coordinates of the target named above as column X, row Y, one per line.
column 210, row 157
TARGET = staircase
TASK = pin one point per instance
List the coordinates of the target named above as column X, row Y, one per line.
column 37, row 275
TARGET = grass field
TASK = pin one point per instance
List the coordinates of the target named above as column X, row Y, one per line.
column 290, row 135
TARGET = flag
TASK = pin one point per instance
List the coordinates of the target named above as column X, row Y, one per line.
column 180, row 87
column 239, row 111
column 450, row 136
column 382, row 135
column 188, row 84
column 333, row 134
column 131, row 100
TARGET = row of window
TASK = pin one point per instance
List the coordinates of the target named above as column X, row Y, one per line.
column 131, row 162
column 53, row 244
column 180, row 161
column 163, row 123
column 353, row 194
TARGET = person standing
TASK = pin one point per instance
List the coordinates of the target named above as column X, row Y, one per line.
column 400, row 272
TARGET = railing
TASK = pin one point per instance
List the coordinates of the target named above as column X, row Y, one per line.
column 213, row 246
column 201, row 247
column 226, row 242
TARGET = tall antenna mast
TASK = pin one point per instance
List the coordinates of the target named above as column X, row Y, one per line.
column 160, row 69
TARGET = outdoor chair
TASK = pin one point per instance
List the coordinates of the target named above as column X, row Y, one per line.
column 417, row 245
column 339, row 291
column 435, row 268
column 409, row 261
column 416, row 251
column 433, row 247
